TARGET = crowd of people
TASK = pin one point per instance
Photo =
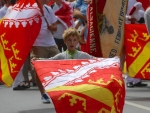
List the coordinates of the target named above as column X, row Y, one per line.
column 58, row 41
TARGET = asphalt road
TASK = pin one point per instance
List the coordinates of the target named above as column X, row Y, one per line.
column 29, row 101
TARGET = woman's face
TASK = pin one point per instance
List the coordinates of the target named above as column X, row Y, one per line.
column 71, row 43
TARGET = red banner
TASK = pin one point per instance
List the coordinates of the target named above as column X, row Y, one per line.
column 83, row 86
column 18, row 31
column 137, row 44
column 93, row 42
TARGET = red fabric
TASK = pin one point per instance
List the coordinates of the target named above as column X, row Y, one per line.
column 16, row 41
column 137, row 45
column 51, row 2
column 93, row 41
column 65, row 13
column 145, row 3
column 63, row 80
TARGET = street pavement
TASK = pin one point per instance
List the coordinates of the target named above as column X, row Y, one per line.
column 29, row 101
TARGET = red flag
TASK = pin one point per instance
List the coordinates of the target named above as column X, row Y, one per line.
column 137, row 51
column 93, row 41
column 18, row 31
column 87, row 86
column 64, row 14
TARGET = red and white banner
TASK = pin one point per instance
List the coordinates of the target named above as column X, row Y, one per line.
column 18, row 31
column 64, row 14
column 83, row 86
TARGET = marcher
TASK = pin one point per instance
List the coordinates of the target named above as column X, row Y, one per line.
column 71, row 39
column 58, row 7
column 44, row 45
column 26, row 69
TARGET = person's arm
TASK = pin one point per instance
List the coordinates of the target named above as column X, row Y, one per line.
column 51, row 18
column 130, row 19
column 87, row 1
column 53, row 27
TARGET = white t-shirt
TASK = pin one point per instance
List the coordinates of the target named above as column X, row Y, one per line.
column 3, row 11
column 130, row 5
column 60, row 27
column 45, row 37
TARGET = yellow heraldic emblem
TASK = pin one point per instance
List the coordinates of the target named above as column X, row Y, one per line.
column 146, row 69
column 103, row 110
column 98, row 93
column 12, row 65
column 140, row 61
column 15, row 51
column 4, row 42
column 135, row 51
column 73, row 101
column 117, row 99
column 145, row 37
column 119, row 81
column 6, row 76
column 100, row 81
column 134, row 36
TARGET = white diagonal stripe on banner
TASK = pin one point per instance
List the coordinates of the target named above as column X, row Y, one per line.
column 61, row 80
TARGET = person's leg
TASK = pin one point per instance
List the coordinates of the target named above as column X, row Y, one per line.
column 32, row 72
column 53, row 50
column 39, row 52
column 18, row 81
column 25, row 71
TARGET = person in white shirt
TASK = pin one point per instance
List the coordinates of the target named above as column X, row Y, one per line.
column 45, row 46
column 58, row 7
column 61, row 28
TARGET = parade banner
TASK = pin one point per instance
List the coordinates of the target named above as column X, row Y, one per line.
column 106, row 27
column 93, row 41
column 83, row 86
column 18, row 31
column 137, row 44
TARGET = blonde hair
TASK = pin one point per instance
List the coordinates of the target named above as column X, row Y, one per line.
column 71, row 32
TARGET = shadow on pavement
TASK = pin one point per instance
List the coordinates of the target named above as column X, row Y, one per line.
column 46, row 110
column 138, row 98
